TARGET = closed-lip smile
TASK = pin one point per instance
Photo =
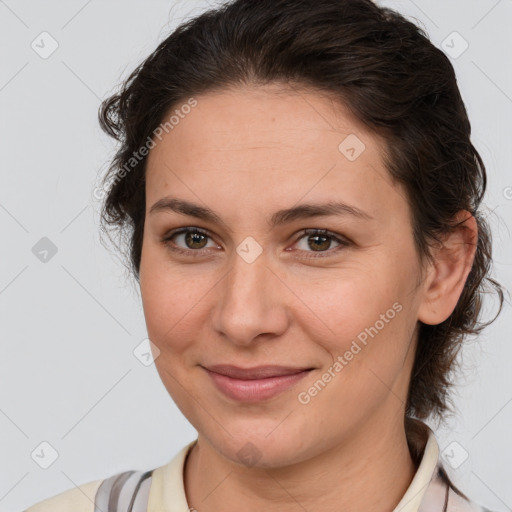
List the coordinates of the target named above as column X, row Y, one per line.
column 256, row 383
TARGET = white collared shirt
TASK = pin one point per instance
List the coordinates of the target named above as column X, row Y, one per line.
column 162, row 489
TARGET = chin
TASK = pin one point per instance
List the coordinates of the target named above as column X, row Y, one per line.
column 263, row 445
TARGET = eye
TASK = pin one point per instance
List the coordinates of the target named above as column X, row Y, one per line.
column 320, row 240
column 193, row 240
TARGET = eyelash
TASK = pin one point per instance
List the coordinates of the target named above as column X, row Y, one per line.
column 305, row 232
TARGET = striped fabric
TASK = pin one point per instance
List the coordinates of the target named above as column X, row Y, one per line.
column 129, row 492
column 124, row 492
column 162, row 489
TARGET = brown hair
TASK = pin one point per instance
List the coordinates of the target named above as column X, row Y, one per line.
column 374, row 61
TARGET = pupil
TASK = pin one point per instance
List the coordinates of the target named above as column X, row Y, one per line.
column 320, row 242
column 324, row 245
column 193, row 237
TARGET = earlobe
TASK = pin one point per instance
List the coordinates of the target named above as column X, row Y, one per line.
column 448, row 272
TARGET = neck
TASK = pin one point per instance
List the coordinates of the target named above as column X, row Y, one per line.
column 370, row 471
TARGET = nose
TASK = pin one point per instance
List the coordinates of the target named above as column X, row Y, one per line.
column 251, row 302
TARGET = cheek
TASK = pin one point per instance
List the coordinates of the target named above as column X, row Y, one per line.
column 369, row 312
column 168, row 299
column 365, row 357
column 169, row 313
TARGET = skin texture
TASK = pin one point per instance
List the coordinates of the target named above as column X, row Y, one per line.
column 246, row 153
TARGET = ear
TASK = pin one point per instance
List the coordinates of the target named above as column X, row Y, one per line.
column 447, row 274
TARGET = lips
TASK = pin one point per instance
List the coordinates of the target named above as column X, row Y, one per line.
column 256, row 384
column 256, row 372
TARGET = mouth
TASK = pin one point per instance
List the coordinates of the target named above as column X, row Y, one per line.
column 255, row 384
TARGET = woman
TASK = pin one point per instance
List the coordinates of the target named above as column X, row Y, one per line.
column 303, row 202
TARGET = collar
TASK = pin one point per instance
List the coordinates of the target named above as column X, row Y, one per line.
column 424, row 493
column 421, row 439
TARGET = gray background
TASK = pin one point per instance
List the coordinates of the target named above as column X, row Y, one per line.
column 69, row 325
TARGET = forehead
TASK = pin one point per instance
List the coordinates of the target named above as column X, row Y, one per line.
column 267, row 117
column 268, row 141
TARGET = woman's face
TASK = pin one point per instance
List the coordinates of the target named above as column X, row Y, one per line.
column 252, row 289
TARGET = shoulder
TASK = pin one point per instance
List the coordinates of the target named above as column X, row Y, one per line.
column 442, row 495
column 78, row 499
column 457, row 501
column 121, row 492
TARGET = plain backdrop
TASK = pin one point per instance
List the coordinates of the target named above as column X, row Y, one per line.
column 70, row 319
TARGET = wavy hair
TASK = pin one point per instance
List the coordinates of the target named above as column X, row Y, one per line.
column 372, row 60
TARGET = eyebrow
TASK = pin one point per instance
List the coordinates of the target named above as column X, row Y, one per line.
column 303, row 211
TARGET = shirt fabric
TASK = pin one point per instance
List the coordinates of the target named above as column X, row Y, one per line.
column 162, row 489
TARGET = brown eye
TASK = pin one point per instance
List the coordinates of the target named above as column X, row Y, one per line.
column 320, row 241
column 190, row 241
column 195, row 240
